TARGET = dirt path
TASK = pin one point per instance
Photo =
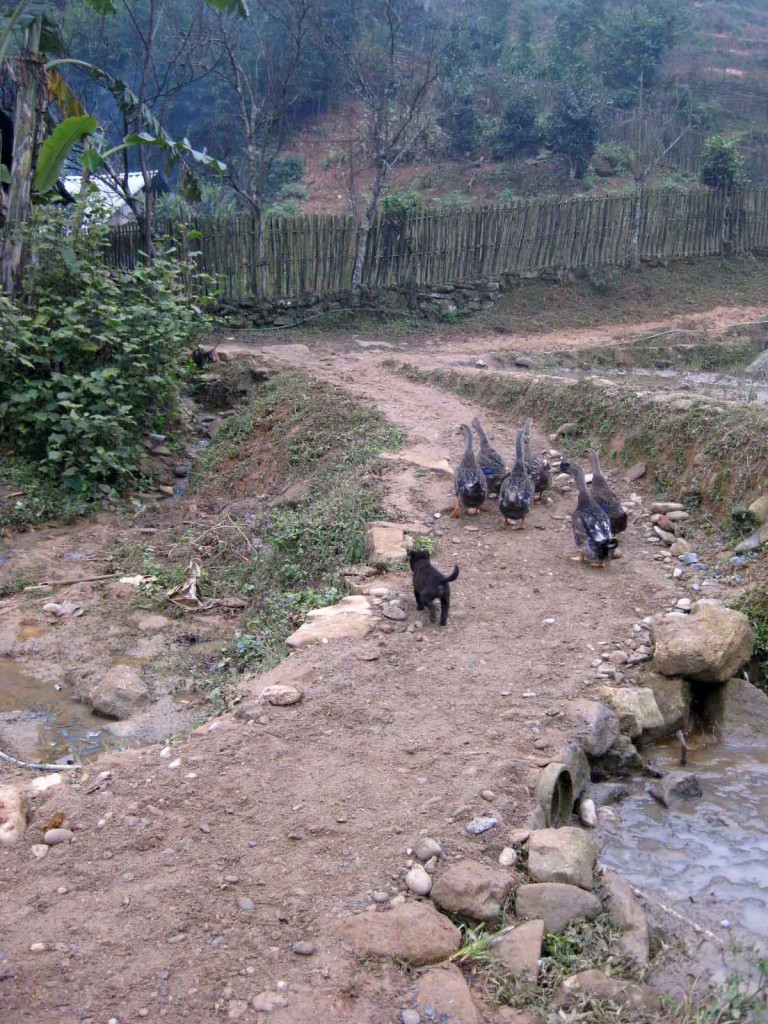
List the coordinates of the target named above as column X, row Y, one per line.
column 192, row 874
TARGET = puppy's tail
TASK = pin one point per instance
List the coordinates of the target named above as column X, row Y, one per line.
column 454, row 575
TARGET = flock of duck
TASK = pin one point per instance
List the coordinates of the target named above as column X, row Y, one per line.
column 597, row 518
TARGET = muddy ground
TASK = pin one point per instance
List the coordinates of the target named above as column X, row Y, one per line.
column 194, row 870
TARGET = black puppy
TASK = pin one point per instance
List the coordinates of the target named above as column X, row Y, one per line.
column 429, row 584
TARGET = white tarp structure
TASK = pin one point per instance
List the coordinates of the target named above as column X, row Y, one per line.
column 108, row 199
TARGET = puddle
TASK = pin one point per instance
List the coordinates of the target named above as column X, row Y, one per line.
column 707, row 858
column 46, row 723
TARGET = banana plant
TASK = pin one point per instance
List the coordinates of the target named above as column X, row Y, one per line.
column 34, row 23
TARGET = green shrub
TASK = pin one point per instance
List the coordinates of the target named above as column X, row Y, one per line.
column 519, row 130
column 721, row 164
column 92, row 360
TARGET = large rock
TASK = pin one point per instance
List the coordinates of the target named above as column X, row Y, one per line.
column 558, row 905
column 562, row 855
column 473, row 890
column 636, row 708
column 675, row 786
column 597, row 727
column 620, row 761
column 352, row 618
column 673, row 699
column 385, row 545
column 625, row 912
column 759, row 509
column 709, row 646
column 519, row 950
column 443, row 996
column 13, row 814
column 413, row 932
column 754, row 542
column 120, row 693
column 614, row 990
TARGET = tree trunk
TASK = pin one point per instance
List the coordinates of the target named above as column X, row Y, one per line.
column 637, row 211
column 30, row 88
column 365, row 228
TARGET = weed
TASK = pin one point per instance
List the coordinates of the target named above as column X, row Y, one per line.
column 754, row 604
column 41, row 499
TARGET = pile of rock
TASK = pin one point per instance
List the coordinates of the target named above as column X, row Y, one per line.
column 561, row 889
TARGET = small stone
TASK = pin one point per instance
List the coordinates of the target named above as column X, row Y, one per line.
column 680, row 547
column 665, row 507
column 426, row 848
column 236, row 1008
column 508, row 857
column 635, row 472
column 489, row 795
column 418, row 881
column 394, row 611
column 303, row 948
column 625, row 912
column 266, row 1002
column 280, row 695
column 477, row 826
column 410, row 1017
column 380, row 896
column 246, row 904
column 587, row 813
column 38, row 947
column 55, row 836
column 39, row 850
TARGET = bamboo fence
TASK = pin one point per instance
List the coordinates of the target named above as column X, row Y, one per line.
column 298, row 257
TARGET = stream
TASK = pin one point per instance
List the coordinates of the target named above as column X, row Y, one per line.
column 705, row 858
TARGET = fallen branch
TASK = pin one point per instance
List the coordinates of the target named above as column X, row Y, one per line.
column 71, row 583
column 43, row 767
column 678, row 916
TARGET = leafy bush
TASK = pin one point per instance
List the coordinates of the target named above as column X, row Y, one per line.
column 721, row 164
column 519, row 131
column 573, row 129
column 397, row 205
column 92, row 360
column 615, row 155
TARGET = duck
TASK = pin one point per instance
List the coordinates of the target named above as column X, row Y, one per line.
column 469, row 483
column 491, row 462
column 516, row 493
column 591, row 526
column 537, row 466
column 607, row 499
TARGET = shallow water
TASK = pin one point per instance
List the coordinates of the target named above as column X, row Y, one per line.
column 707, row 858
column 50, row 724
column 727, row 387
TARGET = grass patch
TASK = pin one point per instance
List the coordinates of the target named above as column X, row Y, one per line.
column 754, row 604
column 284, row 553
column 40, row 499
column 702, row 355
column 713, row 454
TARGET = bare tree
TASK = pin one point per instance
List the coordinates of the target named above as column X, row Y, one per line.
column 392, row 76
column 259, row 60
column 648, row 136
